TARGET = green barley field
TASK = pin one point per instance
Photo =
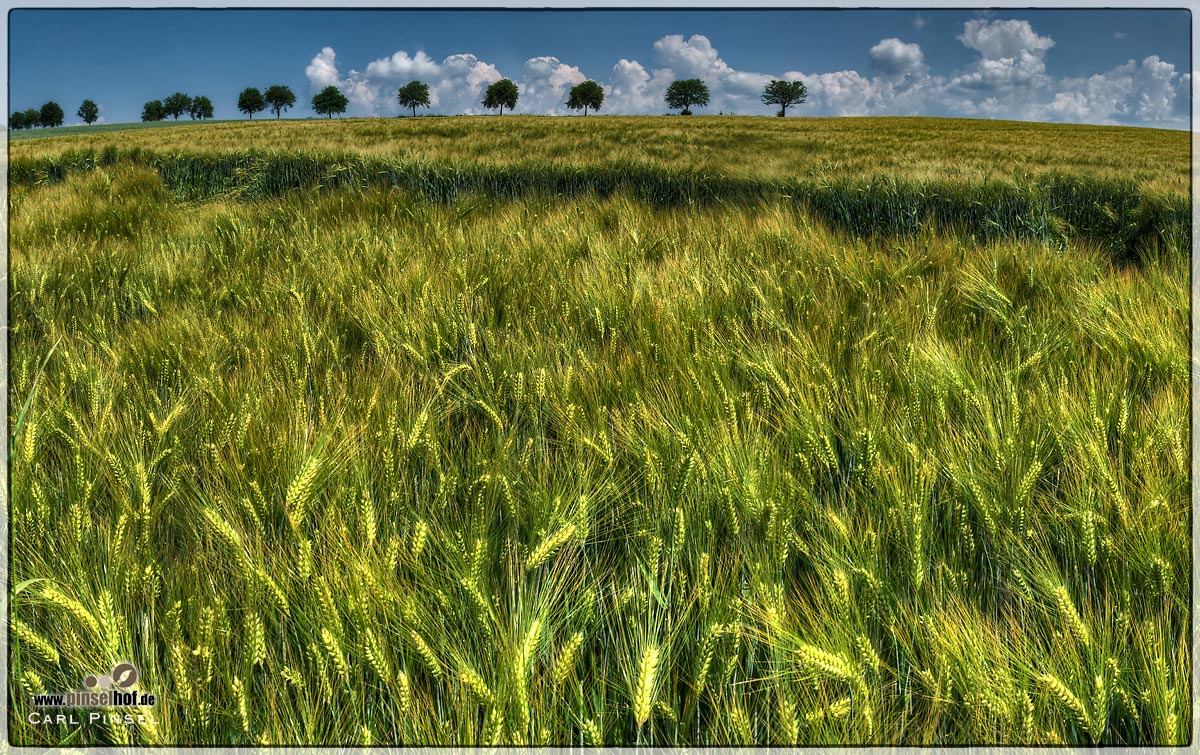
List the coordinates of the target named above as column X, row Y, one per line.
column 603, row 431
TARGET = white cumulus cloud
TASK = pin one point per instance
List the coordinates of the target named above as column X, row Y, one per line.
column 891, row 56
column 455, row 84
column 996, row 40
column 1145, row 93
column 633, row 89
column 322, row 71
column 545, row 83
column 1007, row 79
column 1012, row 56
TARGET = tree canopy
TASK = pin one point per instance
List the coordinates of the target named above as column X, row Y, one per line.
column 414, row 94
column 251, row 101
column 154, row 111
column 279, row 98
column 177, row 104
column 201, row 108
column 329, row 100
column 784, row 94
column 502, row 94
column 682, row 94
column 51, row 114
column 88, row 112
column 587, row 94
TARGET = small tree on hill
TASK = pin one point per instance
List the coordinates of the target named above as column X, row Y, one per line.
column 177, row 104
column 414, row 94
column 88, row 112
column 279, row 98
column 33, row 118
column 154, row 111
column 502, row 94
column 328, row 101
column 51, row 114
column 16, row 121
column 784, row 94
column 201, row 108
column 251, row 101
column 587, row 94
column 682, row 94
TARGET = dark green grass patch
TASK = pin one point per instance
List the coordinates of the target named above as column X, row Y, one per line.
column 1118, row 214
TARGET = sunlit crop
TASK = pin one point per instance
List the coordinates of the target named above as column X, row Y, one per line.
column 426, row 445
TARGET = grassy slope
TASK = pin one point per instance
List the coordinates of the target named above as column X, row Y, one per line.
column 837, row 490
column 919, row 148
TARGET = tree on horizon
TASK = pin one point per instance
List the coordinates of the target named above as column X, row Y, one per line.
column 414, row 94
column 587, row 94
column 51, row 114
column 89, row 112
column 784, row 94
column 682, row 94
column 251, row 101
column 279, row 98
column 329, row 100
column 154, row 111
column 200, row 108
column 504, row 93
column 177, row 104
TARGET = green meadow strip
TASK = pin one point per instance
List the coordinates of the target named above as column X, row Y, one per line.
column 1053, row 207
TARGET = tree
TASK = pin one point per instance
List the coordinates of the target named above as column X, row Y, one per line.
column 201, row 108
column 51, row 114
column 784, row 94
column 18, row 120
column 251, row 101
column 89, row 112
column 502, row 94
column 682, row 94
column 586, row 95
column 154, row 111
column 414, row 94
column 33, row 118
column 328, row 101
column 177, row 104
column 279, row 98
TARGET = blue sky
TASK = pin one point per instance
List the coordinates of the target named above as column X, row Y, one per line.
column 1095, row 66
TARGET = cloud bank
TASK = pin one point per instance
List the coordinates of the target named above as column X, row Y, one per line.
column 1007, row 78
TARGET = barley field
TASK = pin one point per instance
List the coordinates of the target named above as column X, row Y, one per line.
column 820, row 148
column 604, row 431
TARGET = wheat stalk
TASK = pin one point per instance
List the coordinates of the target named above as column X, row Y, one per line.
column 643, row 696
column 299, row 493
column 1066, row 609
column 39, row 644
column 1068, row 699
column 427, row 655
column 567, row 657
column 548, row 546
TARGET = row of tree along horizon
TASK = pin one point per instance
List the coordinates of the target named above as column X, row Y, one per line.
column 681, row 95
column 587, row 95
